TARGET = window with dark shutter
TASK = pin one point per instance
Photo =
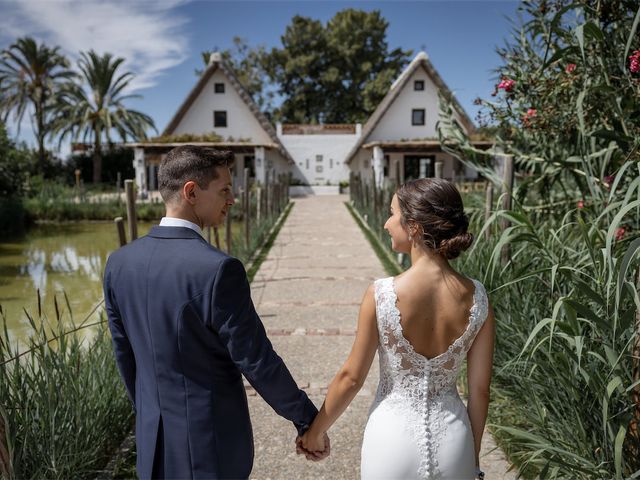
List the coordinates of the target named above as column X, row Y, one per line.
column 417, row 116
column 220, row 118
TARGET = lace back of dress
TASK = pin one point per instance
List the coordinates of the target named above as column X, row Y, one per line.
column 417, row 385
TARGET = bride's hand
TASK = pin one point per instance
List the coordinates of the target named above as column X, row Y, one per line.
column 314, row 443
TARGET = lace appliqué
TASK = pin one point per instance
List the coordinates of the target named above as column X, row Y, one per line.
column 418, row 386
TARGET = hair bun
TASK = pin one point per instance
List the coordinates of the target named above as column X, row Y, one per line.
column 452, row 247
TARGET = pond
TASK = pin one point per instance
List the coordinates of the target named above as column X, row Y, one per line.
column 55, row 260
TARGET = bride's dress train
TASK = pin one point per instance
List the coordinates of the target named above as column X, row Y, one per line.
column 418, row 426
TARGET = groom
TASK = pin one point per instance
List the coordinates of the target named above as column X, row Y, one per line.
column 185, row 330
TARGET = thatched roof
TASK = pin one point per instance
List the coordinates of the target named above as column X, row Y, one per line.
column 421, row 60
column 216, row 63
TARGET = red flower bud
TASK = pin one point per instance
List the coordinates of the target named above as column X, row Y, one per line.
column 580, row 204
column 570, row 68
column 620, row 233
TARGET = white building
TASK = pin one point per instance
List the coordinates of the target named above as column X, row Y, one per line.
column 399, row 139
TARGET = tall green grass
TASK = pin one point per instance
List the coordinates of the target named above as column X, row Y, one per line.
column 62, row 405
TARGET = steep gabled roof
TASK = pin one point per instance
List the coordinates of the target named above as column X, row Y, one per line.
column 421, row 60
column 216, row 63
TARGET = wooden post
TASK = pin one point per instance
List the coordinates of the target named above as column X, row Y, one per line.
column 375, row 197
column 77, row 173
column 398, row 179
column 258, row 204
column 227, row 231
column 267, row 192
column 216, row 237
column 122, row 238
column 507, row 200
column 119, row 182
column 247, row 207
column 488, row 207
column 438, row 169
column 132, row 220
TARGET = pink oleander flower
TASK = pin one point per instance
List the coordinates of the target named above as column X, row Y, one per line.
column 634, row 64
column 507, row 84
column 527, row 117
column 580, row 204
column 620, row 231
column 570, row 68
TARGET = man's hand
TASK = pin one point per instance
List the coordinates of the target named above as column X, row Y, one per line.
column 314, row 451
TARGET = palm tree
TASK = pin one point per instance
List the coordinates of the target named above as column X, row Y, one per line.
column 95, row 108
column 31, row 75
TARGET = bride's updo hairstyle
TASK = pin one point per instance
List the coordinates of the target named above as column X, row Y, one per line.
column 434, row 205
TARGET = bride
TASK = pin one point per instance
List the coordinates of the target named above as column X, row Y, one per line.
column 423, row 323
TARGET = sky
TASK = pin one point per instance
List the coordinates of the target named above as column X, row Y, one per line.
column 161, row 40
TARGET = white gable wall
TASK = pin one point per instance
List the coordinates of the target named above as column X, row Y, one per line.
column 331, row 168
column 395, row 124
column 241, row 123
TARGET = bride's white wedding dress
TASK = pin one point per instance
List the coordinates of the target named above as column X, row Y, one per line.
column 418, row 426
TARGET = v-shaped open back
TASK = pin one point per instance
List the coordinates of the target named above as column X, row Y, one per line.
column 409, row 345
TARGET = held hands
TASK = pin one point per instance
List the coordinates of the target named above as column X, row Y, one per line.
column 313, row 447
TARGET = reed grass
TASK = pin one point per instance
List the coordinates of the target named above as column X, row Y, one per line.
column 62, row 405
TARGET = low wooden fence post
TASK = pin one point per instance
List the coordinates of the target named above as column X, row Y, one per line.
column 258, row 204
column 216, row 237
column 227, row 231
column 132, row 219
column 122, row 238
column 507, row 201
column 488, row 207
column 247, row 207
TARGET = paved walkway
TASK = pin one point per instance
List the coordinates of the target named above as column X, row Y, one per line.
column 307, row 293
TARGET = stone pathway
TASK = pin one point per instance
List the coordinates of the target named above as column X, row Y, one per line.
column 307, row 293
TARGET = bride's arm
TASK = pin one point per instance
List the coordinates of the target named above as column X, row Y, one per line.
column 479, row 363
column 350, row 378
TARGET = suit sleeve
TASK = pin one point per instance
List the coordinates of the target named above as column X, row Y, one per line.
column 235, row 320
column 125, row 358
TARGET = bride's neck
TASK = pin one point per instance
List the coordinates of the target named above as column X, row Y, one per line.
column 429, row 259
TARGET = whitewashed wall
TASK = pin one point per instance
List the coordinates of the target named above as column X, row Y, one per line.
column 333, row 148
column 241, row 123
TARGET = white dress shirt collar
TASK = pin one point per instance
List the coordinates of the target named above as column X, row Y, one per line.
column 180, row 222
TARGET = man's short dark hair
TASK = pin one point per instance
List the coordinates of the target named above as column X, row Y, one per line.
column 190, row 163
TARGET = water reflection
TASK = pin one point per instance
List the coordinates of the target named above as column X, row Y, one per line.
column 54, row 260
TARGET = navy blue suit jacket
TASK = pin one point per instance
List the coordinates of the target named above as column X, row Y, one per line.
column 184, row 329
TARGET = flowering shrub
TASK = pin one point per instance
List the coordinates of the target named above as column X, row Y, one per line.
column 572, row 69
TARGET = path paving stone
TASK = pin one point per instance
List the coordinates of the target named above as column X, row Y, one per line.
column 307, row 293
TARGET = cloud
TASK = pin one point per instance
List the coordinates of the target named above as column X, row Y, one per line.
column 150, row 35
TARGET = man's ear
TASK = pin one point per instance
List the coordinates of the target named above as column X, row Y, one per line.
column 188, row 192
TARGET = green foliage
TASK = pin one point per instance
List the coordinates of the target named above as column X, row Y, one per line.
column 349, row 57
column 31, row 75
column 63, row 406
column 92, row 110
column 115, row 159
column 15, row 164
column 567, row 350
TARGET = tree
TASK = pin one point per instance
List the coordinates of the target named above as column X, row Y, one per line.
column 336, row 73
column 248, row 64
column 95, row 108
column 31, row 74
column 15, row 164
